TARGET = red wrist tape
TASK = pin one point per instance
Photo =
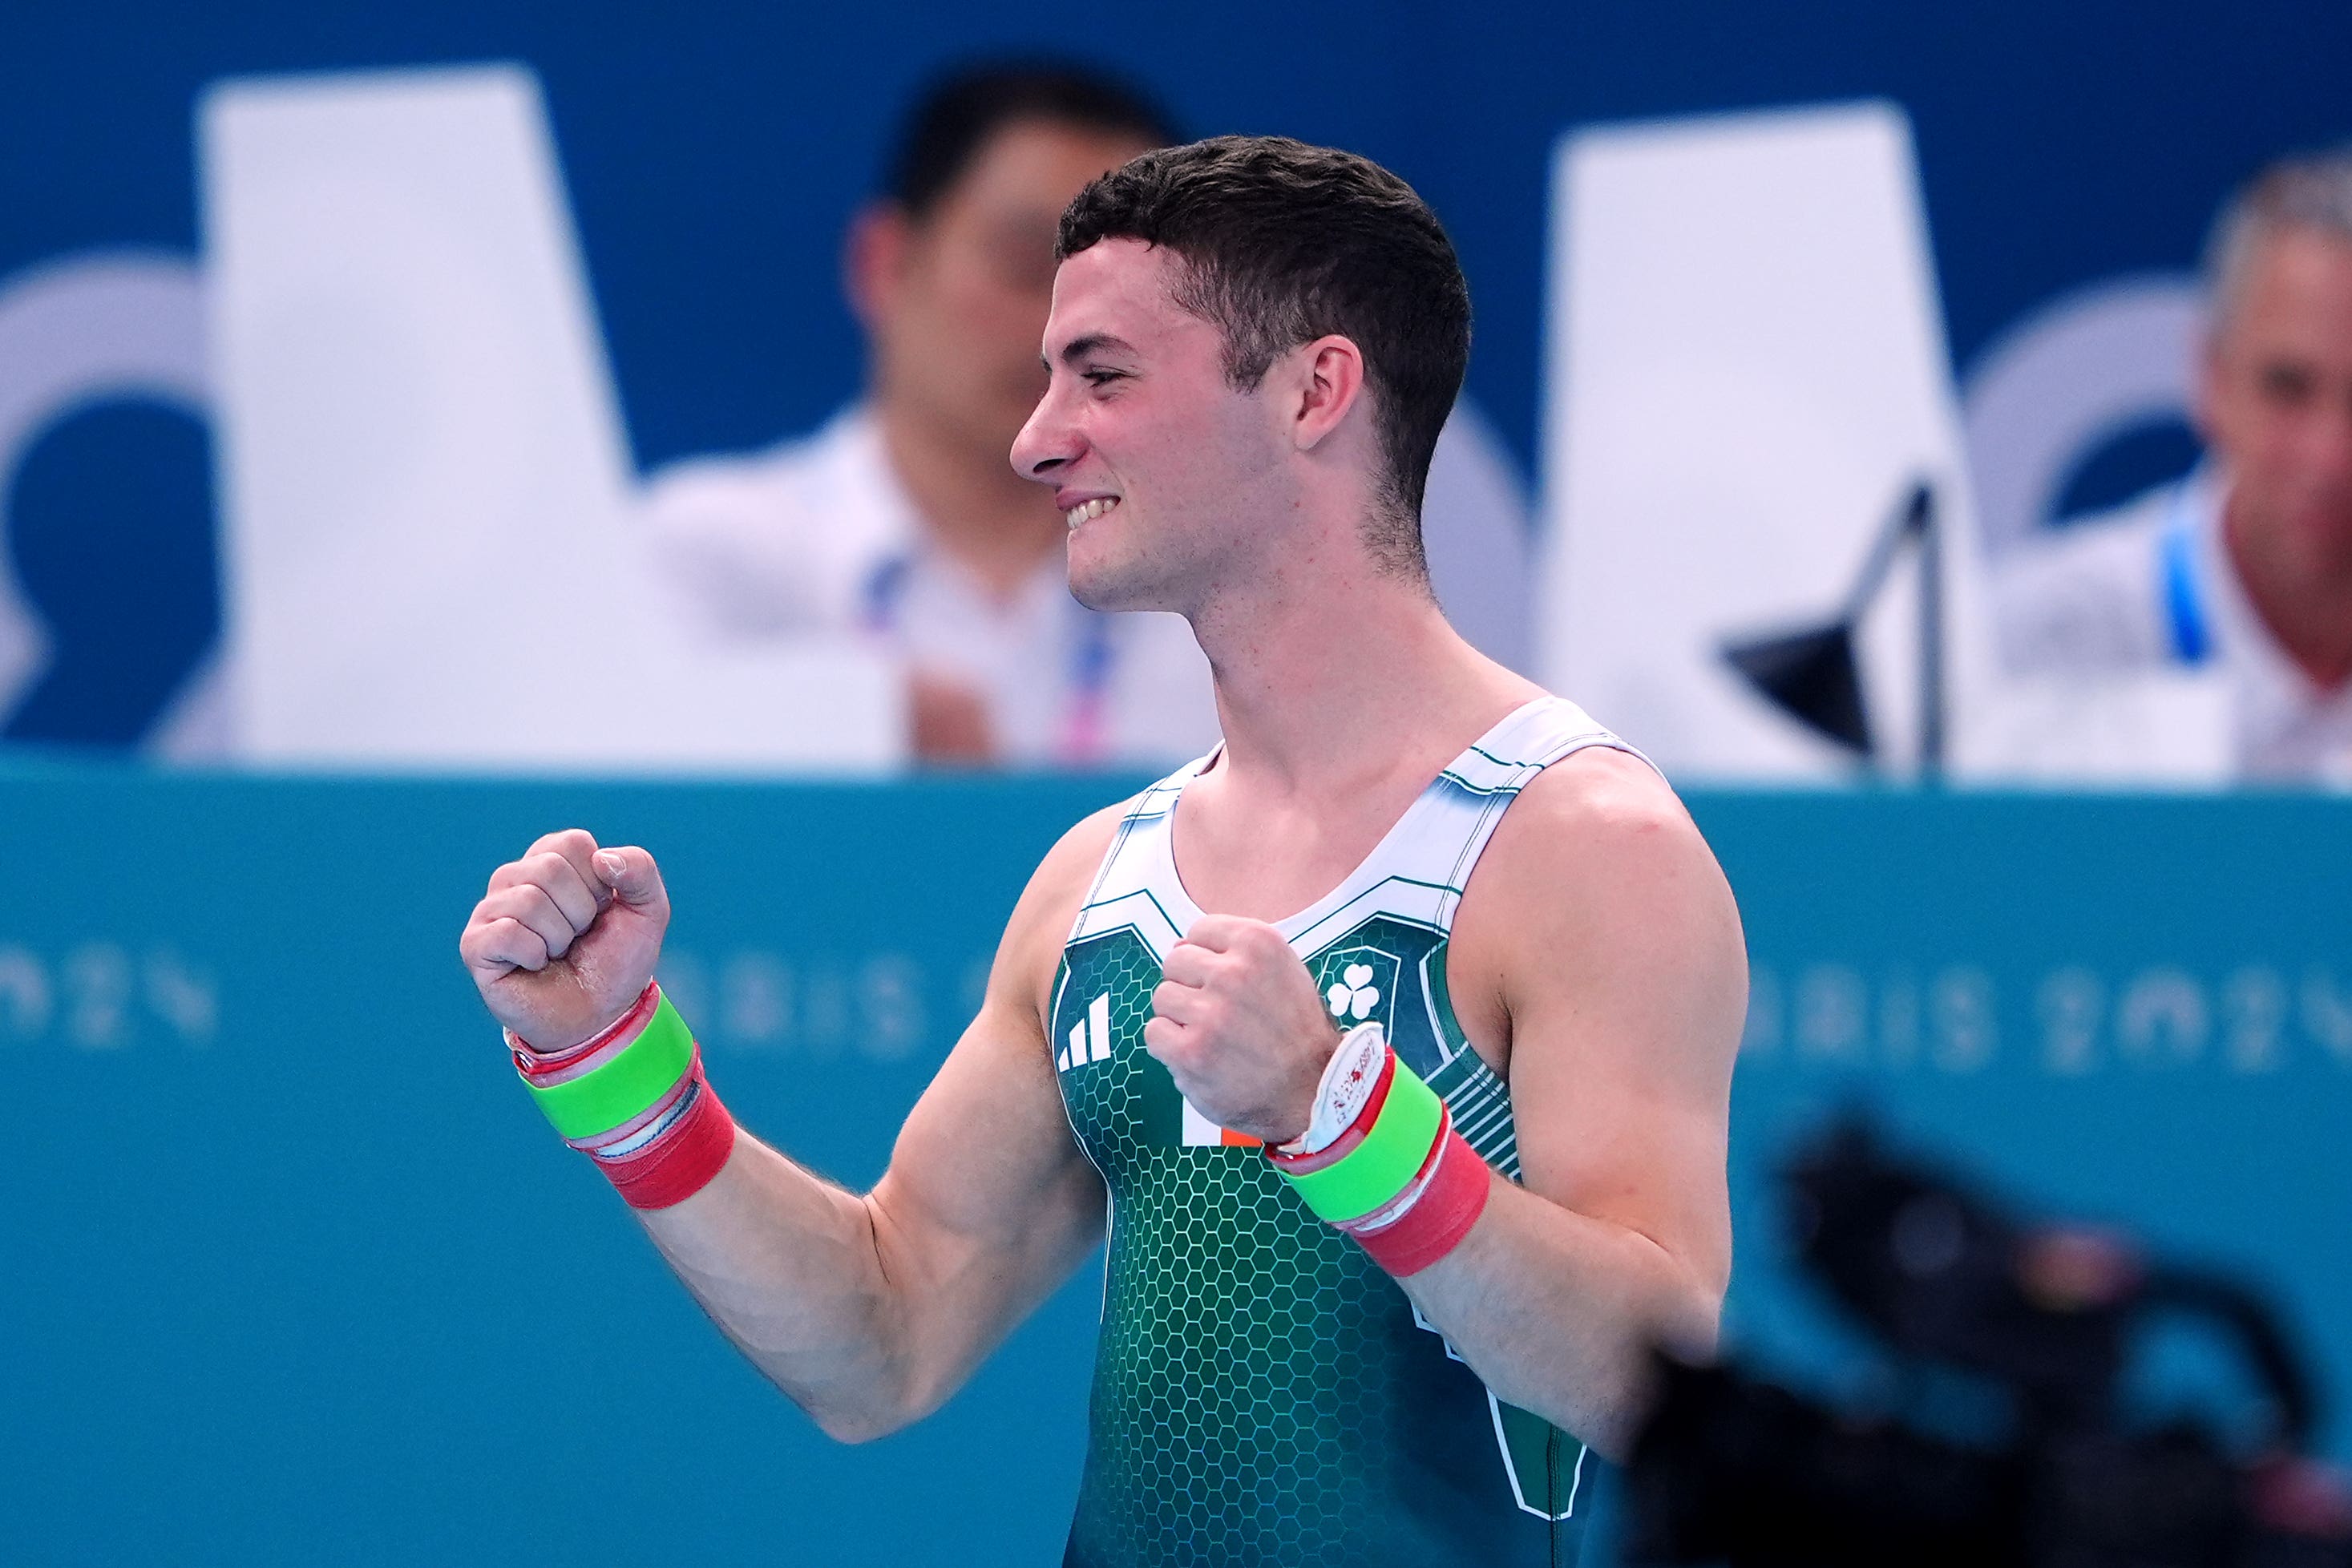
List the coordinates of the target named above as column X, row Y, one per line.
column 684, row 1160
column 675, row 1146
column 1450, row 1195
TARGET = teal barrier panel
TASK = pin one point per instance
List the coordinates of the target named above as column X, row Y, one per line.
column 294, row 1273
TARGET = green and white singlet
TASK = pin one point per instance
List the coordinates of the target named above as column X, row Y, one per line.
column 1262, row 1391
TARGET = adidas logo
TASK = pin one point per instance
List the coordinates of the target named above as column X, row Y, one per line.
column 1089, row 1038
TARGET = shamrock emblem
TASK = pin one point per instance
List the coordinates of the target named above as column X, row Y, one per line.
column 1355, row 995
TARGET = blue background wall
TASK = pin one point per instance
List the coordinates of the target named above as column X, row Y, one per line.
column 713, row 157
column 294, row 1272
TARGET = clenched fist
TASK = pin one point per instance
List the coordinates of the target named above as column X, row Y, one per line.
column 1238, row 1026
column 566, row 938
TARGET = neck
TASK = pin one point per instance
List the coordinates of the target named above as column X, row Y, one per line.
column 2308, row 612
column 982, row 515
column 1322, row 684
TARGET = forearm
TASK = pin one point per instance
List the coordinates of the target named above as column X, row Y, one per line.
column 1558, row 1312
column 790, row 1270
column 868, row 1310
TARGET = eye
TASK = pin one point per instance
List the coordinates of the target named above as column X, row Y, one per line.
column 2288, row 385
column 1100, row 377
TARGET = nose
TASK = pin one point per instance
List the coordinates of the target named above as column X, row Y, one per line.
column 1048, row 442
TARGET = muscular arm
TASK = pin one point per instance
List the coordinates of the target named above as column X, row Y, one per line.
column 870, row 1310
column 1598, row 928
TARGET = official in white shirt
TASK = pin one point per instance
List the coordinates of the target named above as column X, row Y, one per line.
column 2235, row 583
column 902, row 519
column 820, row 534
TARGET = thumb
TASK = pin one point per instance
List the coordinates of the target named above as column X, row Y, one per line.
column 631, row 874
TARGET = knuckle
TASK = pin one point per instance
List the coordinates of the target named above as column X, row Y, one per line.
column 563, row 844
column 508, row 941
column 549, row 868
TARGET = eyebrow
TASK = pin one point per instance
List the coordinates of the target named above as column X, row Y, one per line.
column 1093, row 343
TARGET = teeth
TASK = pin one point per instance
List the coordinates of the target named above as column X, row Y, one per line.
column 1088, row 511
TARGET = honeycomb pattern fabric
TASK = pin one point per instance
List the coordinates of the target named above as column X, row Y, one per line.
column 1262, row 1393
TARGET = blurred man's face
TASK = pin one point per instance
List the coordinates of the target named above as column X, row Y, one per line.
column 1163, row 471
column 2277, row 404
column 958, row 300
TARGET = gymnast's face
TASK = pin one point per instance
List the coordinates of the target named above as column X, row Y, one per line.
column 1166, row 473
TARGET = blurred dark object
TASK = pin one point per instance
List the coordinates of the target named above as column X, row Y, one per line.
column 1809, row 673
column 1731, row 1470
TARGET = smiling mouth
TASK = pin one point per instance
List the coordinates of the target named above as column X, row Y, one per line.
column 1086, row 510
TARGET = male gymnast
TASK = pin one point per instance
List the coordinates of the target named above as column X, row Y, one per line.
column 1390, row 1043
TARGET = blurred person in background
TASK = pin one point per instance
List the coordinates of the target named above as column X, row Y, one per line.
column 2240, row 574
column 901, row 518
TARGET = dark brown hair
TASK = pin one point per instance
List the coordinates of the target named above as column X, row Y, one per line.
column 1283, row 243
column 961, row 112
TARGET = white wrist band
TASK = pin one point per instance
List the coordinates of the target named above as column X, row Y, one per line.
column 1349, row 1079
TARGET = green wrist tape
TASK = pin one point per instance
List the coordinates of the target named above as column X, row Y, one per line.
column 626, row 1086
column 1395, row 1149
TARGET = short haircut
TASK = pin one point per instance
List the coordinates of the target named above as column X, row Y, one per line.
column 2309, row 191
column 958, row 114
column 1282, row 243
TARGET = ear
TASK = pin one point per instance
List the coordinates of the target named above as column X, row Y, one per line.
column 873, row 258
column 1327, row 377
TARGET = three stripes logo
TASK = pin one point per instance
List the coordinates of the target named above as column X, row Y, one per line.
column 1089, row 1036
column 1089, row 1042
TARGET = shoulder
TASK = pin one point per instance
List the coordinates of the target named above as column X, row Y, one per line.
column 1596, row 807
column 1597, row 881
column 828, row 476
column 1069, row 867
column 1048, row 906
column 2088, row 596
column 782, row 540
column 769, row 473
